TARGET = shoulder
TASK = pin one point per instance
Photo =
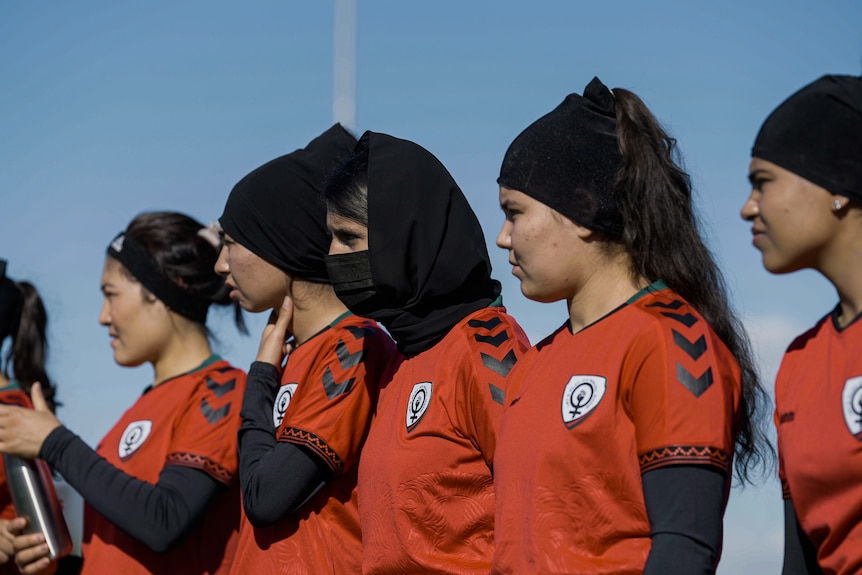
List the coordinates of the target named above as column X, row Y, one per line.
column 359, row 329
column 489, row 339
column 822, row 329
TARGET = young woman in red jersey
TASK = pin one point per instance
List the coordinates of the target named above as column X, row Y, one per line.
column 304, row 417
column 616, row 449
column 805, row 210
column 160, row 489
column 408, row 251
column 24, row 322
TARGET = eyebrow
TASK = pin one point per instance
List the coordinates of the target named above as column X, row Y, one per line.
column 754, row 174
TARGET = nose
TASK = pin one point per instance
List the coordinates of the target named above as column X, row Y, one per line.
column 751, row 208
column 221, row 266
column 105, row 314
column 504, row 238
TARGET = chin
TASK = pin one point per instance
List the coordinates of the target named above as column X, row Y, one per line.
column 538, row 295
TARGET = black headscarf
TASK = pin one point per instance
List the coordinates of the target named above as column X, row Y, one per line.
column 427, row 251
column 817, row 134
column 276, row 211
column 11, row 300
column 568, row 159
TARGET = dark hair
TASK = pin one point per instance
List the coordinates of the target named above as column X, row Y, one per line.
column 661, row 235
column 28, row 353
column 346, row 189
column 184, row 256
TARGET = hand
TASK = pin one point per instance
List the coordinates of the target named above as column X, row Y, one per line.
column 7, row 550
column 31, row 551
column 273, row 343
column 23, row 431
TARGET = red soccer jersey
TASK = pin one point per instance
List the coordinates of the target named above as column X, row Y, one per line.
column 9, row 395
column 818, row 401
column 190, row 420
column 426, row 494
column 646, row 386
column 327, row 396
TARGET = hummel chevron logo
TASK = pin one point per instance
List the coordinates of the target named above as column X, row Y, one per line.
column 333, row 389
column 687, row 320
column 359, row 331
column 214, row 415
column 346, row 358
column 696, row 385
column 489, row 325
column 694, row 350
column 497, row 394
column 675, row 304
column 504, row 366
column 220, row 389
column 495, row 340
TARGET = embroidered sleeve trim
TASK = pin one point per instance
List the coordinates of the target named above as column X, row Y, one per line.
column 684, row 454
column 208, row 466
column 316, row 444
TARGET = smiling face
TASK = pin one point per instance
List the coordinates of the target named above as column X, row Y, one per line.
column 546, row 249
column 255, row 284
column 140, row 325
column 794, row 221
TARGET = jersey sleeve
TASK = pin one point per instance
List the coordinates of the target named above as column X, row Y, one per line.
column 496, row 343
column 681, row 387
column 205, row 435
column 332, row 406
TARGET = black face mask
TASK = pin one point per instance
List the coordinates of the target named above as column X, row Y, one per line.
column 350, row 275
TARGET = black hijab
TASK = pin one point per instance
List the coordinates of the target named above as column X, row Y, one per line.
column 276, row 210
column 429, row 262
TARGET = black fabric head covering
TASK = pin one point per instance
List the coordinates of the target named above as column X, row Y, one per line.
column 427, row 251
column 817, row 134
column 11, row 300
column 568, row 159
column 277, row 211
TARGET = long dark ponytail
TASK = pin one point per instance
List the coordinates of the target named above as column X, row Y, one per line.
column 25, row 321
column 662, row 236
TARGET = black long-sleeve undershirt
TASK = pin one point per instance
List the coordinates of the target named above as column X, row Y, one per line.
column 277, row 478
column 800, row 554
column 685, row 506
column 157, row 515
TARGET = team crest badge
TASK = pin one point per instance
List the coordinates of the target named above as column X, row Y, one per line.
column 851, row 402
column 282, row 401
column 134, row 437
column 117, row 244
column 581, row 396
column 420, row 399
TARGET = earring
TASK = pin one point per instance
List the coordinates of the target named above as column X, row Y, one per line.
column 837, row 205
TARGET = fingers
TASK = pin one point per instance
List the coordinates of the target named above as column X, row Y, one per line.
column 38, row 398
column 31, row 553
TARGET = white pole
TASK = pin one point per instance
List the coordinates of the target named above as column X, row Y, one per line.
column 344, row 65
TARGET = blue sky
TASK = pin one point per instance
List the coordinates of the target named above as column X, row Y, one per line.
column 112, row 108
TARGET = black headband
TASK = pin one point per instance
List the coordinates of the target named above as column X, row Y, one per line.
column 11, row 300
column 817, row 134
column 568, row 159
column 143, row 268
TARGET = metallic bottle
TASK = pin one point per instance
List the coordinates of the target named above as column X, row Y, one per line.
column 34, row 496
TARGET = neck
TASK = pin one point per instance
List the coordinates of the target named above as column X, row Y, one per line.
column 608, row 287
column 187, row 349
column 840, row 264
column 4, row 381
column 313, row 310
